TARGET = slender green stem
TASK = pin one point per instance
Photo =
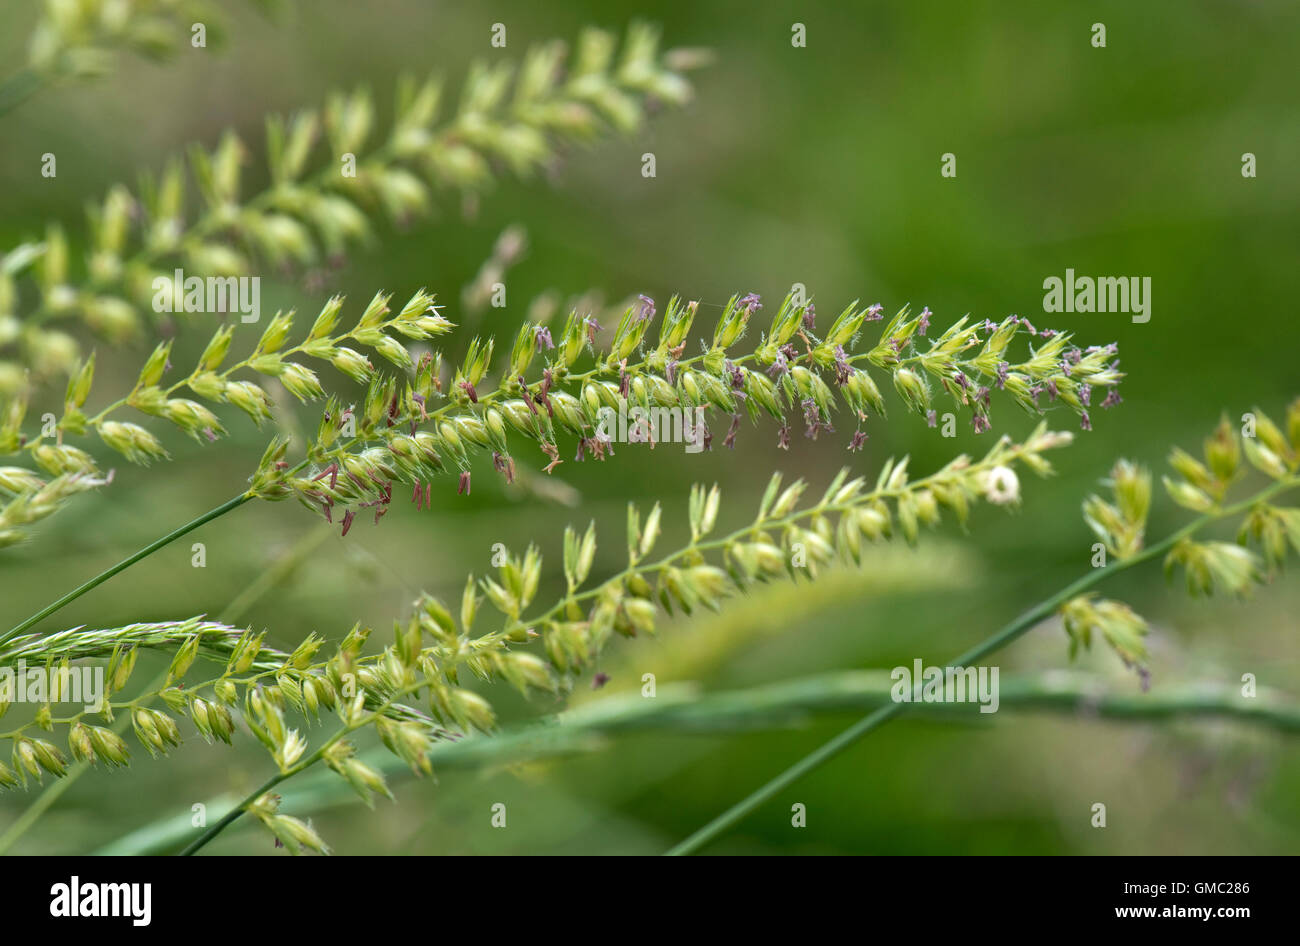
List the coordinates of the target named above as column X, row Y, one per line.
column 1002, row 638
column 215, row 513
column 235, row 813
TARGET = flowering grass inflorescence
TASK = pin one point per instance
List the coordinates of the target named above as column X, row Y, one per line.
column 382, row 432
column 1265, row 534
column 401, row 436
column 260, row 685
column 433, row 420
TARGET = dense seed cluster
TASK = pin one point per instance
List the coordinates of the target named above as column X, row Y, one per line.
column 333, row 173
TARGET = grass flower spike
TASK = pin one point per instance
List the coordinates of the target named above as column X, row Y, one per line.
column 333, row 173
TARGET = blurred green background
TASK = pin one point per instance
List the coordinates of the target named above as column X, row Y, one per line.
column 819, row 166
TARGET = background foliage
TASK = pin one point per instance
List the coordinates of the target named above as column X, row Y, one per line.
column 819, row 166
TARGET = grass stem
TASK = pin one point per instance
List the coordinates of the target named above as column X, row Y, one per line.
column 143, row 553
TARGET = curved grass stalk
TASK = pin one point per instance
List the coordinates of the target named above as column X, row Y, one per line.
column 1209, row 566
